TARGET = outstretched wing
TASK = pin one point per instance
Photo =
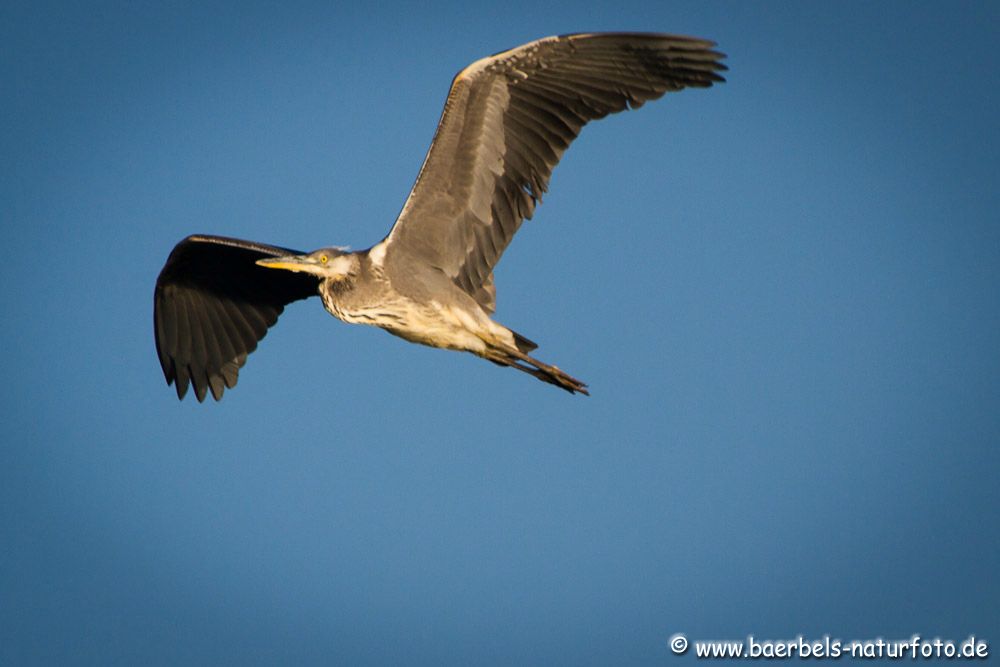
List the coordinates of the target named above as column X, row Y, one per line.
column 213, row 304
column 506, row 122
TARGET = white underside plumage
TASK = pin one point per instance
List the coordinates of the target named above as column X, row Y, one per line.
column 432, row 324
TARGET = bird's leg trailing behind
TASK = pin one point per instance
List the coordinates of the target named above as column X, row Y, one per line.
column 515, row 358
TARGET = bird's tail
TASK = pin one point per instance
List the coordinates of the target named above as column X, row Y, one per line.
column 523, row 344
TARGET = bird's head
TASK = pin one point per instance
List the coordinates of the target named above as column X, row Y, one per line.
column 330, row 263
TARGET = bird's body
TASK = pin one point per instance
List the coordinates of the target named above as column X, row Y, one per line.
column 507, row 120
column 366, row 296
column 426, row 308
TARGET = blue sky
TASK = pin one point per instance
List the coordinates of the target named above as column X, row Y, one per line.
column 784, row 293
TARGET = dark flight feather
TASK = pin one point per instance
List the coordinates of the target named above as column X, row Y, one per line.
column 213, row 304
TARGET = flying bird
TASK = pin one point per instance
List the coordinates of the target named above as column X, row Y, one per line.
column 507, row 120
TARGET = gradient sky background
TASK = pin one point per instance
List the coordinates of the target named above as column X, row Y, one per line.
column 783, row 291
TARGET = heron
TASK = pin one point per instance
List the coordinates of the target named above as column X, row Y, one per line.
column 507, row 120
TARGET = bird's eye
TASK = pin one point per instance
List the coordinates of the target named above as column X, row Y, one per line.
column 323, row 258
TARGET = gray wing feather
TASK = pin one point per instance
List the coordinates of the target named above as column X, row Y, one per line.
column 505, row 125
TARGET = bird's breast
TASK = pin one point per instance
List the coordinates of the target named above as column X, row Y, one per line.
column 425, row 323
